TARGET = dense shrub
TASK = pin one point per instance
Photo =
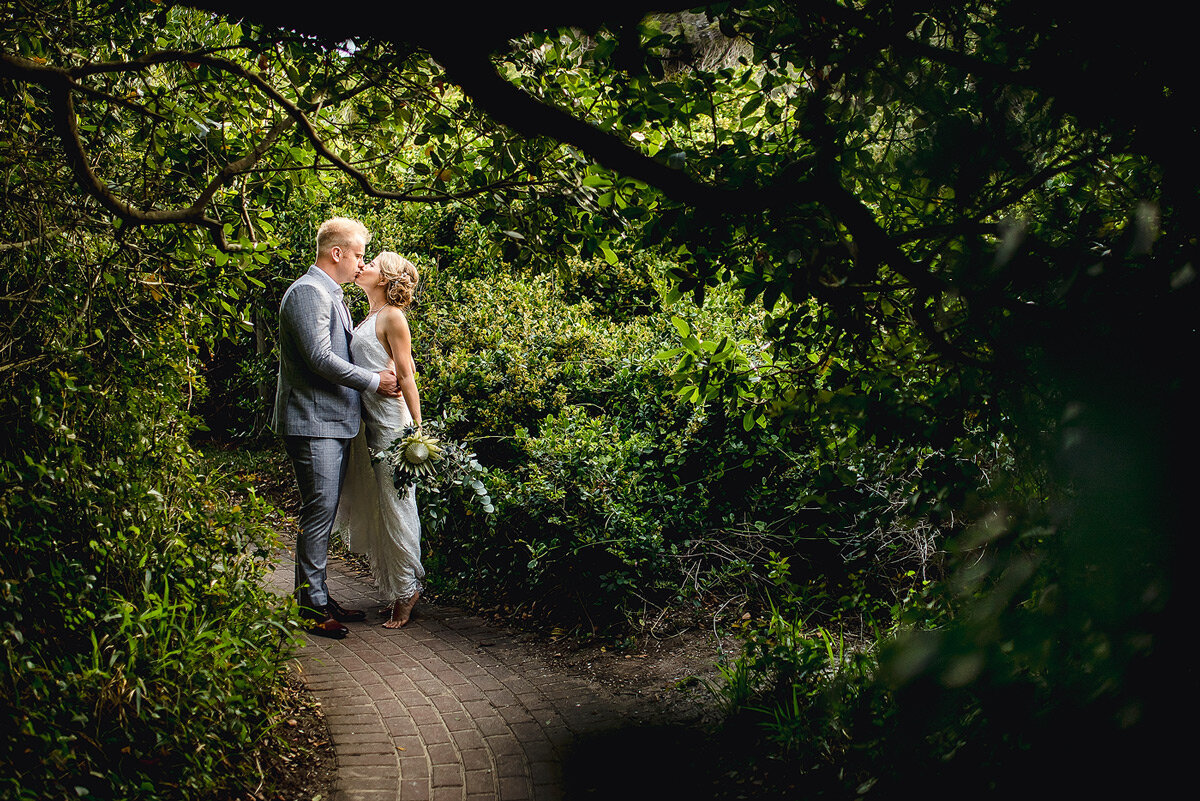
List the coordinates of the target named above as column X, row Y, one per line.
column 141, row 651
column 620, row 291
column 614, row 493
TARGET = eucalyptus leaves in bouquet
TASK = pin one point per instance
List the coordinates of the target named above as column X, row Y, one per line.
column 439, row 468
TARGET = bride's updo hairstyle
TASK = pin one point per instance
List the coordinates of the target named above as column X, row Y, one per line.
column 401, row 276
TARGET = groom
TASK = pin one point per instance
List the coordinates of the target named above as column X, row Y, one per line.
column 317, row 406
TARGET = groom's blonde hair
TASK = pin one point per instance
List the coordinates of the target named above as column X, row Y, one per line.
column 336, row 232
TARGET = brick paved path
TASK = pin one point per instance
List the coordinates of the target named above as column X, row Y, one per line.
column 449, row 707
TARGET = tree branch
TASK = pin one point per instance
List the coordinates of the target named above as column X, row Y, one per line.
column 507, row 104
column 310, row 132
column 28, row 242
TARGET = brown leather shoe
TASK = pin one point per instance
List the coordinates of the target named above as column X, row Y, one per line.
column 342, row 614
column 328, row 628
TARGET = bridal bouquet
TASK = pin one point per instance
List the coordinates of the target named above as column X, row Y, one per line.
column 426, row 458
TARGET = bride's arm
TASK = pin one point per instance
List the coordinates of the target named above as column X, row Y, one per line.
column 392, row 330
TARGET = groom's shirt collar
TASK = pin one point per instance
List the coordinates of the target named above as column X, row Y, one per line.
column 334, row 287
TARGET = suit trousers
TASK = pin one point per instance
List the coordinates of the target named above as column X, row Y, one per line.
column 320, row 465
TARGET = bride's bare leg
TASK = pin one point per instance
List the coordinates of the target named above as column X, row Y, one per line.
column 401, row 612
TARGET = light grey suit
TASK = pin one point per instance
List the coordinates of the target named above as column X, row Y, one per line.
column 317, row 412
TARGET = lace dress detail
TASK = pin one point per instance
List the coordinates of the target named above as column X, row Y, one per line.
column 372, row 517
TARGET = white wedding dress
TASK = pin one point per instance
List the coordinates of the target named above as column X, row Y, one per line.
column 372, row 517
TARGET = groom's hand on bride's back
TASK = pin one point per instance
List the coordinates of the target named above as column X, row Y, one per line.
column 387, row 384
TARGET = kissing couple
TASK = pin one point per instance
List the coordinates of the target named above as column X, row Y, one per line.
column 343, row 393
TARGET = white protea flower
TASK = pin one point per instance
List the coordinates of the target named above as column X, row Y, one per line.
column 438, row 465
column 415, row 454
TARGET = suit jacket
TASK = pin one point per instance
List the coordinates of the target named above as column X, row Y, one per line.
column 318, row 390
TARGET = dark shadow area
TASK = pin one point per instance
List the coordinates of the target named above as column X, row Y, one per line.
column 645, row 762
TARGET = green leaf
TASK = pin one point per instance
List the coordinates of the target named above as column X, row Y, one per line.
column 751, row 106
column 609, row 255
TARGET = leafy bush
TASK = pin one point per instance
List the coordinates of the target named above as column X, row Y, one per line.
column 581, row 521
column 611, row 494
column 523, row 376
column 621, row 291
column 503, row 353
column 141, row 651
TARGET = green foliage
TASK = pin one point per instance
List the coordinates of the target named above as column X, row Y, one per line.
column 513, row 351
column 621, row 289
column 613, row 495
column 518, row 372
column 804, row 699
column 942, row 283
column 580, row 510
column 141, row 651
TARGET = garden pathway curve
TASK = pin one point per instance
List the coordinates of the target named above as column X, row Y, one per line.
column 452, row 707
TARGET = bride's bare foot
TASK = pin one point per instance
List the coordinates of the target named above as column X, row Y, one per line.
column 401, row 612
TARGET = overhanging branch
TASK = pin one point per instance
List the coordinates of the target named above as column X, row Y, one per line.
column 509, row 105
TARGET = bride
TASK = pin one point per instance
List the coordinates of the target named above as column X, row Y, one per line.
column 374, row 518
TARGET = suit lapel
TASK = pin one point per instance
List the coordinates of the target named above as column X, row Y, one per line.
column 336, row 295
column 344, row 314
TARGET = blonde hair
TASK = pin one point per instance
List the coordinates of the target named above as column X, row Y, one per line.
column 337, row 232
column 401, row 276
